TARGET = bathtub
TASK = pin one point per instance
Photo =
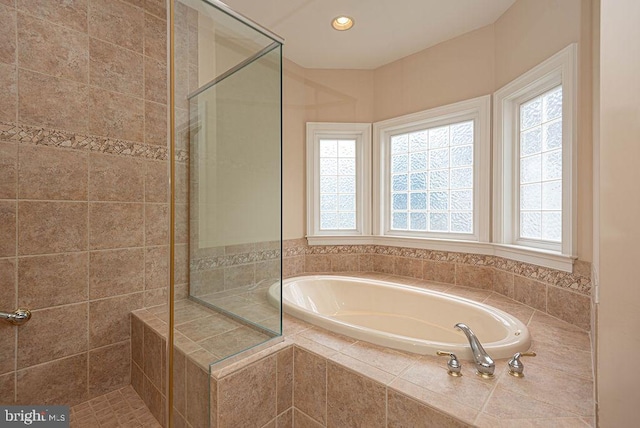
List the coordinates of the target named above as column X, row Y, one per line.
column 400, row 316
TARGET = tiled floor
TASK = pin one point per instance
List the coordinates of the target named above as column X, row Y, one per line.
column 122, row 408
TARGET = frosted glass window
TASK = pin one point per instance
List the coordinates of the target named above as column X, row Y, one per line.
column 540, row 154
column 431, row 179
column 338, row 184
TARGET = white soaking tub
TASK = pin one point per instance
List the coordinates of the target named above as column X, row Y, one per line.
column 399, row 316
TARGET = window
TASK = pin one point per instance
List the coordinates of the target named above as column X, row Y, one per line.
column 432, row 172
column 534, row 131
column 338, row 164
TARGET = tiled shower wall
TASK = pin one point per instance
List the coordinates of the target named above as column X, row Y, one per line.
column 83, row 190
column 564, row 295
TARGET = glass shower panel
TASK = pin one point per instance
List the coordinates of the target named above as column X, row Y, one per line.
column 227, row 230
column 235, row 197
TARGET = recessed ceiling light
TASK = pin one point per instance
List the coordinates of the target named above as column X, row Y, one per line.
column 342, row 23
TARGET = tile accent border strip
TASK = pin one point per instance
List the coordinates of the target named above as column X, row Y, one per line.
column 579, row 281
column 25, row 134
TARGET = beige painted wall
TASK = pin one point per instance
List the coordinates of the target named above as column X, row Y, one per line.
column 315, row 96
column 455, row 70
column 619, row 206
column 525, row 35
column 474, row 64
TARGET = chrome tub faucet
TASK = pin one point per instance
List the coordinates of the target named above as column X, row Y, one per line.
column 485, row 366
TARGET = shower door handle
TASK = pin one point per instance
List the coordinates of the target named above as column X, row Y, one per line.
column 17, row 317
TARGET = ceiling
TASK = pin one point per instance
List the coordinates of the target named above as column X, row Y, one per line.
column 384, row 30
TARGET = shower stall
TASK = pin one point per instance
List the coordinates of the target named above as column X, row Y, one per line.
column 226, row 123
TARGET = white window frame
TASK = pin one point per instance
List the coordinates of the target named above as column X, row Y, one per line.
column 476, row 109
column 361, row 133
column 560, row 69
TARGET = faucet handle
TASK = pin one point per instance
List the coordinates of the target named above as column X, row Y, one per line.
column 516, row 366
column 453, row 364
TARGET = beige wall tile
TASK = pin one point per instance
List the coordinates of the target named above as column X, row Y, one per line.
column 344, row 263
column 115, row 272
column 474, row 276
column 52, row 280
column 439, row 271
column 116, row 115
column 7, row 35
column 156, row 181
column 117, row 22
column 405, row 412
column 156, row 7
column 157, row 296
column 7, row 228
column 8, row 349
column 109, row 319
column 155, row 38
column 155, row 125
column 115, row 68
column 48, row 101
column 239, row 276
column 115, row 178
column 52, row 227
column 354, row 400
column 530, row 292
column 156, row 224
column 366, row 262
column 116, row 225
column 52, row 49
column 197, row 395
column 206, row 282
column 68, row 13
column 405, row 266
column 45, row 385
column 156, row 267
column 154, row 400
column 267, row 271
column 182, row 224
column 182, row 183
column 154, row 357
column 7, row 388
column 254, row 390
column 155, row 81
column 317, row 263
column 292, row 266
column 8, row 301
column 285, row 379
column 58, row 332
column 9, row 90
column 179, row 381
column 503, row 283
column 51, row 173
column 383, row 263
column 571, row 307
column 109, row 368
column 137, row 379
column 8, row 282
column 310, row 386
column 137, row 340
column 181, row 259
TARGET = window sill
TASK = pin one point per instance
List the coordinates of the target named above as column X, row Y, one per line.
column 548, row 259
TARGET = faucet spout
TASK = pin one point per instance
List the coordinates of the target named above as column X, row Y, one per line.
column 485, row 365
